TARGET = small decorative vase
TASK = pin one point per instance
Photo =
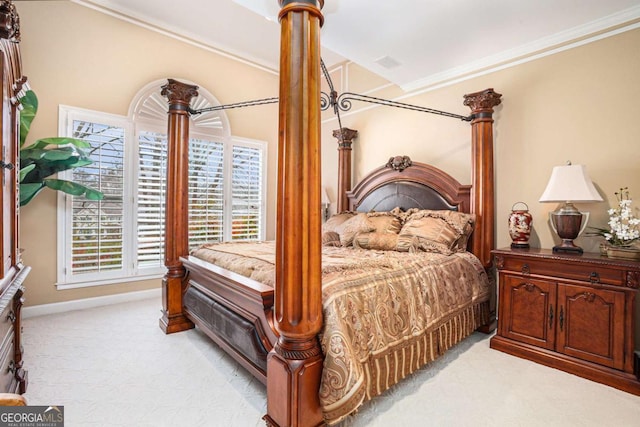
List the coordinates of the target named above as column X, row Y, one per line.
column 520, row 226
column 623, row 252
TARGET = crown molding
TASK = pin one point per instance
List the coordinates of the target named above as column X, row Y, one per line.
column 608, row 26
column 126, row 15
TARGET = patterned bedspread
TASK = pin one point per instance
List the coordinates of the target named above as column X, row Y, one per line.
column 386, row 313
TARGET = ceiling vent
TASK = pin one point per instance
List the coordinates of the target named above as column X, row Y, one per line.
column 387, row 62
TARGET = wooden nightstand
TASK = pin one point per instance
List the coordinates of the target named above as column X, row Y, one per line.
column 570, row 312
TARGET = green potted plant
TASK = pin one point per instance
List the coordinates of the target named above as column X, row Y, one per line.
column 48, row 156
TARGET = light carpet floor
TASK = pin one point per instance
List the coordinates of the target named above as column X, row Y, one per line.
column 113, row 366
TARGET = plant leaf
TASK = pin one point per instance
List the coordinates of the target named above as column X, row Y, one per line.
column 30, row 107
column 63, row 140
column 28, row 192
column 73, row 188
column 25, row 170
column 59, row 154
column 92, row 194
column 65, row 186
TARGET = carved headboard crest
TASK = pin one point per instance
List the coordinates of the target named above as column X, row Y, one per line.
column 399, row 163
column 9, row 21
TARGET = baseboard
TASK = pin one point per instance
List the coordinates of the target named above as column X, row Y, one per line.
column 80, row 304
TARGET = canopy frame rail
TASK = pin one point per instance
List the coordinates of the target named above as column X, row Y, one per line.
column 336, row 102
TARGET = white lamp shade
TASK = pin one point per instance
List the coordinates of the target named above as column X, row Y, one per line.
column 570, row 183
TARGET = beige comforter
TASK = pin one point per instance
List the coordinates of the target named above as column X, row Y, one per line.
column 386, row 313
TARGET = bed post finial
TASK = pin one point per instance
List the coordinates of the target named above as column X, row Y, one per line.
column 345, row 138
column 294, row 365
column 176, row 243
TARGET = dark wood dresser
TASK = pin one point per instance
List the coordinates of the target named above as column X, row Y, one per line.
column 13, row 377
column 571, row 312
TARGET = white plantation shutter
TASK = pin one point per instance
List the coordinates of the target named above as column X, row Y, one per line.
column 152, row 160
column 206, row 192
column 97, row 226
column 246, row 193
column 206, row 195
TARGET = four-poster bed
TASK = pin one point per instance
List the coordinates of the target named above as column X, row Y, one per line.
column 273, row 330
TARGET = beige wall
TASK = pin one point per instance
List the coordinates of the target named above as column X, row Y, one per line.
column 579, row 105
column 79, row 57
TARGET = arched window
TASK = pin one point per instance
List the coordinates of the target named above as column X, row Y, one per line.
column 122, row 236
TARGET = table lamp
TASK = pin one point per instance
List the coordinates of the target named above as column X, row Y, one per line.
column 325, row 204
column 569, row 184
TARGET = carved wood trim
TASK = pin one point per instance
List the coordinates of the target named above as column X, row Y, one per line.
column 633, row 279
column 399, row 163
column 9, row 21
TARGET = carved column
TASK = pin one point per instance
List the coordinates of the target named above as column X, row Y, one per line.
column 294, row 365
column 483, row 195
column 345, row 138
column 176, row 228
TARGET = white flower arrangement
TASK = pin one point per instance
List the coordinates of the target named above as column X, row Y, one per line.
column 624, row 227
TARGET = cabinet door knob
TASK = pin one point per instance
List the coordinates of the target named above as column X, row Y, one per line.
column 525, row 269
column 594, row 277
column 11, row 316
column 561, row 319
column 550, row 316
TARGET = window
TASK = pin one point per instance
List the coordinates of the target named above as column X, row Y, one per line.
column 121, row 237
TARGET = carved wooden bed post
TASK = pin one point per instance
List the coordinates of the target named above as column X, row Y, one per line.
column 176, row 243
column 294, row 366
column 483, row 195
column 345, row 139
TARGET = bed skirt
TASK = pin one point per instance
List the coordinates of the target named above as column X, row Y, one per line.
column 387, row 369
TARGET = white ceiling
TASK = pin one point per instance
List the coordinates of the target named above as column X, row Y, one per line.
column 427, row 42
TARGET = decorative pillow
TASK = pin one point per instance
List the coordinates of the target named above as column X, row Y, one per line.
column 330, row 238
column 336, row 220
column 461, row 244
column 439, row 231
column 358, row 223
column 385, row 222
column 407, row 243
column 403, row 215
column 376, row 240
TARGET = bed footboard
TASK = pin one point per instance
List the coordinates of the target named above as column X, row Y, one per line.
column 234, row 311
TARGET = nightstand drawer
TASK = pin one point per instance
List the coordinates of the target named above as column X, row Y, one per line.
column 582, row 271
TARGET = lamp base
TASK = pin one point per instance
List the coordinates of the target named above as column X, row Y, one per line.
column 568, row 246
column 568, row 222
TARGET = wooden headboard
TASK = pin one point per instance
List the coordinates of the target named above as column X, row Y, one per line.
column 407, row 184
